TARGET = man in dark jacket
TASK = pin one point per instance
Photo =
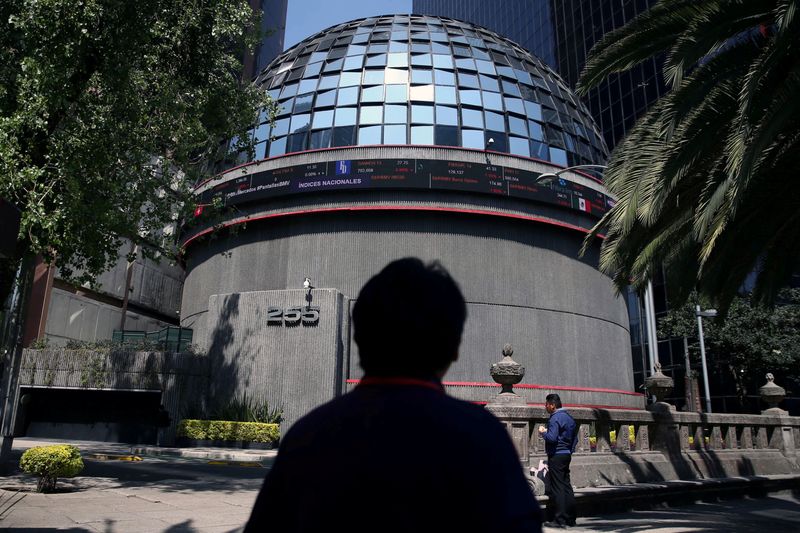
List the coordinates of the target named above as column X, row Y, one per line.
column 397, row 453
column 560, row 438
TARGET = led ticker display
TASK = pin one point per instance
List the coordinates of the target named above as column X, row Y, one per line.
column 406, row 174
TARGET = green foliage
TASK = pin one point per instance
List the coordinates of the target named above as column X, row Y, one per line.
column 247, row 409
column 51, row 463
column 228, row 430
column 747, row 343
column 705, row 181
column 109, row 111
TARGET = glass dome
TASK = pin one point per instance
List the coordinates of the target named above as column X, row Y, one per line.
column 421, row 80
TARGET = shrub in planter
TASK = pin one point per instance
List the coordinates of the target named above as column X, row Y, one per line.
column 224, row 430
column 51, row 463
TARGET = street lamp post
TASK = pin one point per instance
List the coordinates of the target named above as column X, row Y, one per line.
column 708, row 313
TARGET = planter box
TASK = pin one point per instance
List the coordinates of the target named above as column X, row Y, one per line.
column 184, row 442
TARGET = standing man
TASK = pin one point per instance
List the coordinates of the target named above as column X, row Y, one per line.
column 397, row 454
column 560, row 438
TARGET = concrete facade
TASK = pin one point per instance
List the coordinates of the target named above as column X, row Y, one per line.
column 517, row 263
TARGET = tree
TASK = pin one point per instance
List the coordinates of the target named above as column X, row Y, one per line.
column 109, row 111
column 747, row 343
column 705, row 180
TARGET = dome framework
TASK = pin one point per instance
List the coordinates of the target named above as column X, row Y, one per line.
column 421, row 80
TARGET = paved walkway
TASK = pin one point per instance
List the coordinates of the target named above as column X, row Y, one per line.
column 222, row 504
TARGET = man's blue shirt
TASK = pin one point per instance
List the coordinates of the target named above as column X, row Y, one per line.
column 561, row 433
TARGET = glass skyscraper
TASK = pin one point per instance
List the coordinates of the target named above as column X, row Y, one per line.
column 562, row 32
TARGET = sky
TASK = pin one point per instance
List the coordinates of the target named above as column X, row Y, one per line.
column 307, row 17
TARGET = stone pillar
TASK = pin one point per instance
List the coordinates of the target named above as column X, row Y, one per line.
column 783, row 436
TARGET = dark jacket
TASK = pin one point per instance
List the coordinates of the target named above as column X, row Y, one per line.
column 562, row 432
column 396, row 457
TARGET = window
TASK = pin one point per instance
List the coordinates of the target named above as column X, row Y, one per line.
column 328, row 82
column 277, row 147
column 470, row 97
column 517, row 126
column 421, row 76
column 397, row 60
column 394, row 75
column 494, row 121
column 303, row 103
column 537, row 132
column 300, row 123
column 510, row 88
column 373, row 77
column 394, row 135
column 288, row 91
column 260, row 151
column 472, row 139
column 489, row 84
column 533, row 110
column 397, row 93
column 443, row 77
column 376, row 61
column 446, row 135
column 395, row 114
column 281, row 127
column 321, row 139
column 422, row 114
column 369, row 135
column 422, row 60
column 307, row 86
column 442, row 61
column 485, row 67
column 422, row 135
column 344, row 136
column 558, row 156
column 262, row 132
column 325, row 99
column 350, row 78
column 514, row 105
column 348, row 96
column 322, row 119
column 519, row 146
column 345, row 116
column 493, row 101
column 421, row 93
column 372, row 94
column 465, row 64
column 353, row 63
column 447, row 116
column 371, row 115
column 471, row 118
column 467, row 80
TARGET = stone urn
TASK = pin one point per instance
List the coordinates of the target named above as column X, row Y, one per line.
column 772, row 394
column 507, row 373
column 659, row 385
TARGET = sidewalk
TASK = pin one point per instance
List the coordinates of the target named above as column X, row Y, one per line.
column 118, row 449
column 188, row 494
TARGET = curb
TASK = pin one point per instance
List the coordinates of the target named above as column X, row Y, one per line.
column 217, row 454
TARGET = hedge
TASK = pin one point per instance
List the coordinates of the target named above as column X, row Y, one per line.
column 51, row 463
column 226, row 430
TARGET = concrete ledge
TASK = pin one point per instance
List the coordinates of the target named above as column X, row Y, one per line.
column 219, row 454
column 621, row 498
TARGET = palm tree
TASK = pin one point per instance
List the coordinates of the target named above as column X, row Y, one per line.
column 707, row 181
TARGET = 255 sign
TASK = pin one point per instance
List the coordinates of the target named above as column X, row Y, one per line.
column 293, row 316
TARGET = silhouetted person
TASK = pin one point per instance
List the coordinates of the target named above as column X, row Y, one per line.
column 396, row 453
column 560, row 438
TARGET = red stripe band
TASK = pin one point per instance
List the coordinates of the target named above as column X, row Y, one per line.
column 529, row 386
column 527, row 218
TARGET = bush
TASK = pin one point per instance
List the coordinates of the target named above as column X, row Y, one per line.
column 51, row 463
column 227, row 430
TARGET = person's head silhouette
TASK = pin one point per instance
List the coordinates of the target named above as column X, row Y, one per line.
column 408, row 320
